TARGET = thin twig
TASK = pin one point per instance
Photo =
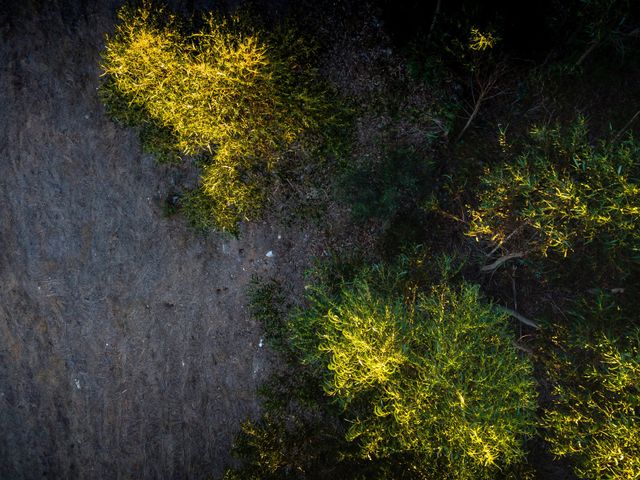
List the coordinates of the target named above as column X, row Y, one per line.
column 492, row 266
column 486, row 87
column 433, row 22
column 476, row 109
column 451, row 216
column 591, row 48
column 523, row 348
column 506, row 240
column 513, row 289
column 610, row 290
column 518, row 316
column 626, row 126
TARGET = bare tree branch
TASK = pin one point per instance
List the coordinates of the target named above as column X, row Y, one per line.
column 518, row 316
column 625, row 128
column 492, row 266
column 486, row 88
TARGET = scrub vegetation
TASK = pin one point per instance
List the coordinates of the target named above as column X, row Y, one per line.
column 427, row 373
column 593, row 419
column 570, row 195
column 229, row 94
column 487, row 327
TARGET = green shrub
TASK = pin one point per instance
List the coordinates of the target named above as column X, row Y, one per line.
column 594, row 419
column 300, row 434
column 229, row 93
column 428, row 379
column 295, row 438
column 391, row 193
column 570, row 195
column 267, row 304
column 383, row 190
column 592, row 28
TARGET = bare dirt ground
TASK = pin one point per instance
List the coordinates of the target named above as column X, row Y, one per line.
column 125, row 347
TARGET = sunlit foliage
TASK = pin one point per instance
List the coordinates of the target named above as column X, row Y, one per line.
column 481, row 40
column 568, row 192
column 230, row 94
column 431, row 376
column 595, row 416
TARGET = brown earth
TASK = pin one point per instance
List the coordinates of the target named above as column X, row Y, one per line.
column 126, row 350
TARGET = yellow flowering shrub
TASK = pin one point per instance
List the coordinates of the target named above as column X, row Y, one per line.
column 228, row 94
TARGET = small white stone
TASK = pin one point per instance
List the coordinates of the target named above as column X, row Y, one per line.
column 260, row 343
column 270, row 254
column 77, row 382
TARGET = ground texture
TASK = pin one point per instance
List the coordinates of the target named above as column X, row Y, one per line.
column 125, row 347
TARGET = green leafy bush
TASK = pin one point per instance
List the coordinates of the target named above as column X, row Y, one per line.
column 391, row 193
column 296, row 437
column 429, row 379
column 592, row 27
column 231, row 94
column 569, row 194
column 595, row 416
column 385, row 189
column 300, row 434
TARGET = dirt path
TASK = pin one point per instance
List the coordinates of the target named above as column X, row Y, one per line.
column 125, row 348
